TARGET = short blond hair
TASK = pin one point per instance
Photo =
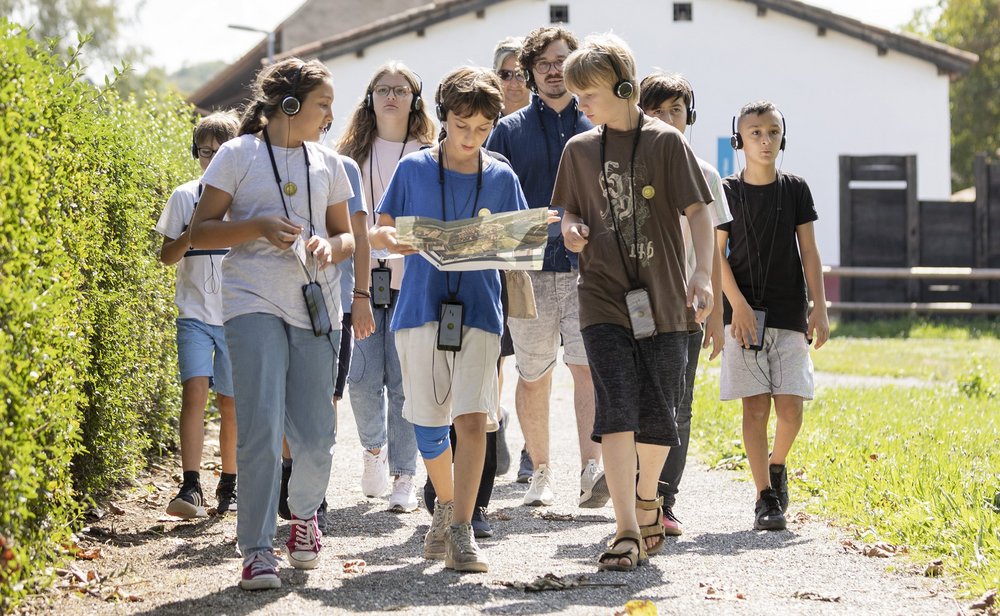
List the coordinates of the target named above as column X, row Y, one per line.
column 602, row 61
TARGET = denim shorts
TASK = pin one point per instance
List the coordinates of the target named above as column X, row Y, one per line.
column 202, row 351
column 637, row 383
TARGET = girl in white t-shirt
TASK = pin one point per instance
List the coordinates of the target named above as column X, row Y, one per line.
column 286, row 200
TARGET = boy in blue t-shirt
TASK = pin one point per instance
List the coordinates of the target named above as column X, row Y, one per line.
column 453, row 180
column 202, row 354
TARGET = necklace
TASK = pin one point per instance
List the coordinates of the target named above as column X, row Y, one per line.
column 290, row 188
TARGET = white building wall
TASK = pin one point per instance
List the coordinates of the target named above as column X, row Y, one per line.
column 838, row 95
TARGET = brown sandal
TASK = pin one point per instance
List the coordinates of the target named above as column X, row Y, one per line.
column 609, row 560
column 656, row 528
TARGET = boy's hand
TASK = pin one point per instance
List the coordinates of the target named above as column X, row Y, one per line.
column 553, row 217
column 321, row 251
column 362, row 320
column 392, row 245
column 818, row 328
column 699, row 296
column 576, row 239
column 744, row 325
column 280, row 231
column 714, row 334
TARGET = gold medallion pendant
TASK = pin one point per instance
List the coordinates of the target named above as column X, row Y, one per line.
column 484, row 212
column 648, row 191
column 290, row 189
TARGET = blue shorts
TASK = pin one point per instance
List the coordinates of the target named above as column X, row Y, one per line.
column 202, row 351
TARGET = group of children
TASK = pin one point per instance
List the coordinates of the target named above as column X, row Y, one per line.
column 651, row 257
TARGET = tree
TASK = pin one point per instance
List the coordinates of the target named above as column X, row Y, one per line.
column 972, row 25
column 64, row 19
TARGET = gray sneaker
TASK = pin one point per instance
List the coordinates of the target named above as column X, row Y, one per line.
column 434, row 540
column 525, row 468
column 462, row 552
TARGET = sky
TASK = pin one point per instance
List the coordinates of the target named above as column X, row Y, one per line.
column 186, row 32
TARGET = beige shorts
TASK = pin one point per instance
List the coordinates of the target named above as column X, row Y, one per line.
column 441, row 385
column 782, row 367
column 536, row 341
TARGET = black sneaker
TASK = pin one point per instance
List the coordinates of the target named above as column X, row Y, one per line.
column 526, row 469
column 480, row 524
column 283, row 512
column 321, row 517
column 429, row 496
column 189, row 503
column 503, row 452
column 225, row 494
column 768, row 515
column 779, row 481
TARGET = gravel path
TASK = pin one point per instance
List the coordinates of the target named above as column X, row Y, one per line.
column 719, row 566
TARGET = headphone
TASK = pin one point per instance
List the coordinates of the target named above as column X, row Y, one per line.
column 442, row 112
column 737, row 139
column 692, row 112
column 291, row 104
column 194, row 149
column 416, row 103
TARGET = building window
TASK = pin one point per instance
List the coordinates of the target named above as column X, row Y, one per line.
column 682, row 11
column 559, row 13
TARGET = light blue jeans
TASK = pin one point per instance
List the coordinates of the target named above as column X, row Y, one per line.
column 375, row 384
column 283, row 378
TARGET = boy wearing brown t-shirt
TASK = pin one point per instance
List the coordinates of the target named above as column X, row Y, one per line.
column 624, row 186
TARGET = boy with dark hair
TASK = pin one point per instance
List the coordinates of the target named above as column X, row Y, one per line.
column 623, row 187
column 765, row 291
column 202, row 354
column 532, row 139
column 670, row 98
column 455, row 179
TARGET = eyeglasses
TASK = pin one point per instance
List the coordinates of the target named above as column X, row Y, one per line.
column 544, row 66
column 506, row 75
column 206, row 152
column 398, row 91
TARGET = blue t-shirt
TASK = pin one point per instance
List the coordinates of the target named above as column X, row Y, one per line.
column 416, row 191
column 354, row 205
column 532, row 138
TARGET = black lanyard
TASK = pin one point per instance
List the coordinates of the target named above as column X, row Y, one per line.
column 619, row 238
column 548, row 153
column 277, row 179
column 763, row 270
column 444, row 214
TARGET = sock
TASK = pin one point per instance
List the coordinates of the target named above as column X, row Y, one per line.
column 192, row 478
column 227, row 479
column 286, row 462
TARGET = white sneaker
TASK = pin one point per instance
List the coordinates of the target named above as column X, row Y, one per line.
column 375, row 477
column 539, row 492
column 594, row 492
column 403, row 498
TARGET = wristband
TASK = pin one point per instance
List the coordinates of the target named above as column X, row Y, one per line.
column 362, row 293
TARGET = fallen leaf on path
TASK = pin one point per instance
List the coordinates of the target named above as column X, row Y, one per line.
column 551, row 516
column 551, row 581
column 639, row 607
column 808, row 595
column 935, row 569
column 502, row 516
column 882, row 550
column 354, row 566
column 92, row 553
column 115, row 509
column 119, row 595
column 988, row 600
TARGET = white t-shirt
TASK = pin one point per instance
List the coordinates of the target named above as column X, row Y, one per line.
column 198, row 289
column 259, row 277
column 718, row 209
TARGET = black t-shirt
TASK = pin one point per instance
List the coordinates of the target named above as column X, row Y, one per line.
column 762, row 249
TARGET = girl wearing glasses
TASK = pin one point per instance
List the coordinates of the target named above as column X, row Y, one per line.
column 515, row 91
column 389, row 122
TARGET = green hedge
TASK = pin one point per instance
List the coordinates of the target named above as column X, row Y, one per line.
column 87, row 358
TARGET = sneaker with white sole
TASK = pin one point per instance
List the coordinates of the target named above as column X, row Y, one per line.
column 434, row 540
column 671, row 525
column 462, row 552
column 403, row 498
column 375, row 476
column 189, row 503
column 260, row 571
column 303, row 543
column 539, row 491
column 594, row 492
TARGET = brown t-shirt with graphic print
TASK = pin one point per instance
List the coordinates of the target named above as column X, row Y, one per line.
column 647, row 215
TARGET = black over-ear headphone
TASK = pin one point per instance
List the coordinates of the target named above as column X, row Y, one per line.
column 692, row 112
column 737, row 139
column 623, row 88
column 291, row 104
column 194, row 148
column 416, row 103
column 442, row 112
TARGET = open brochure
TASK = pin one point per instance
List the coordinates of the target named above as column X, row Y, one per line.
column 511, row 240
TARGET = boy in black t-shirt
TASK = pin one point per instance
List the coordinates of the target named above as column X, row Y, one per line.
column 766, row 355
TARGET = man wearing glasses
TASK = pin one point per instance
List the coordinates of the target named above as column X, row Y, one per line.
column 533, row 139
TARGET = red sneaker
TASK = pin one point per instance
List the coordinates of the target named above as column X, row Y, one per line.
column 671, row 525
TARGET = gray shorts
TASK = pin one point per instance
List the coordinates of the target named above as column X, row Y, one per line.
column 536, row 341
column 782, row 367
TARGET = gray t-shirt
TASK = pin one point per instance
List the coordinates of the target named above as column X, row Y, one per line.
column 257, row 276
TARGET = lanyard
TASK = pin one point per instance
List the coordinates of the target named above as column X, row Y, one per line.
column 444, row 215
column 762, row 270
column 277, row 179
column 619, row 238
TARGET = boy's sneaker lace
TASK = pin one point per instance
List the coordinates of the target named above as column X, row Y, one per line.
column 526, row 468
column 779, row 481
column 434, row 540
column 225, row 494
column 260, row 571
column 283, row 512
column 539, row 491
column 189, row 503
column 375, row 476
column 303, row 543
column 403, row 498
column 671, row 525
column 767, row 512
column 480, row 524
column 503, row 452
column 594, row 492
column 462, row 551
